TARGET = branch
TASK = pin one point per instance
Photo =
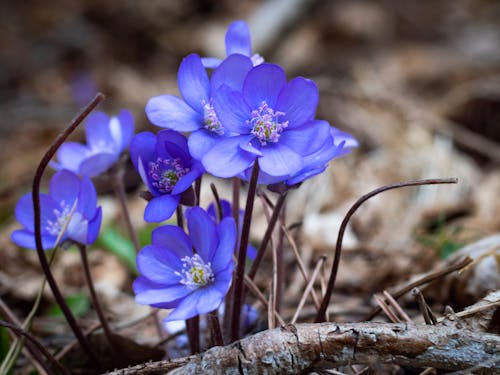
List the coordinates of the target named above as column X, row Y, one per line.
column 295, row 348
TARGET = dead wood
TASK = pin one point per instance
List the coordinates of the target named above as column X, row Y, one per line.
column 295, row 348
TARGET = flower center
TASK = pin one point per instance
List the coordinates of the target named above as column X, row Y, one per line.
column 265, row 124
column 165, row 173
column 257, row 59
column 212, row 122
column 195, row 272
column 61, row 216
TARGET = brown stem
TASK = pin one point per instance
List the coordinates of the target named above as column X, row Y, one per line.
column 84, row 343
column 215, row 330
column 218, row 205
column 321, row 316
column 242, row 254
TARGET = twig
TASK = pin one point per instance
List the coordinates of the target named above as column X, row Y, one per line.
column 321, row 316
column 84, row 343
column 257, row 293
column 294, row 349
column 426, row 311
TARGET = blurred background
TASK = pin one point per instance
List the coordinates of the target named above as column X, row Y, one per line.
column 416, row 81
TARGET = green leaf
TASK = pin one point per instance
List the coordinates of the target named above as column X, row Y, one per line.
column 112, row 240
column 4, row 343
column 78, row 303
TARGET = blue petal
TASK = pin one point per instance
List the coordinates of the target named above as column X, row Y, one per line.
column 251, row 145
column 263, row 84
column 97, row 130
column 193, row 82
column 200, row 142
column 94, row 226
column 340, row 136
column 24, row 211
column 173, row 238
column 223, row 279
column 161, row 208
column 159, row 265
column 238, row 39
column 143, row 145
column 64, row 186
column 171, row 112
column 87, row 198
column 172, row 144
column 202, row 233
column 227, row 159
column 210, row 62
column 126, row 120
column 279, row 160
column 98, row 163
column 24, row 238
column 226, row 232
column 232, row 110
column 165, row 294
column 306, row 139
column 231, row 72
column 187, row 180
column 201, row 301
column 298, row 99
column 70, row 155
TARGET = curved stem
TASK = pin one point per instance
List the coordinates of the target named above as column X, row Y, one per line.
column 84, row 343
column 321, row 315
column 239, row 275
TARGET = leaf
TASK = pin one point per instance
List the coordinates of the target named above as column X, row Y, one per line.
column 78, row 303
column 4, row 343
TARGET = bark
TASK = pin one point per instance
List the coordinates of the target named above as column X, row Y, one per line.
column 295, row 348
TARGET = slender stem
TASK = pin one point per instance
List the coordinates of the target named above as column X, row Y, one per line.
column 180, row 217
column 267, row 236
column 218, row 205
column 215, row 330
column 84, row 343
column 20, row 332
column 122, row 198
column 321, row 315
column 242, row 254
column 197, row 189
column 280, row 279
column 95, row 300
column 193, row 331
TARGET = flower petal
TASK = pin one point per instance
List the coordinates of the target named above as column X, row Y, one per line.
column 226, row 232
column 298, row 99
column 126, row 120
column 97, row 130
column 171, row 112
column 64, row 186
column 173, row 238
column 98, row 163
column 193, row 82
column 231, row 72
column 143, row 146
column 87, row 198
column 202, row 232
column 263, row 84
column 94, row 226
column 201, row 301
column 165, row 294
column 210, row 62
column 306, row 139
column 161, row 208
column 200, row 142
column 227, row 159
column 279, row 160
column 238, row 39
column 70, row 155
column 232, row 110
column 187, row 180
column 159, row 264
column 24, row 238
column 172, row 144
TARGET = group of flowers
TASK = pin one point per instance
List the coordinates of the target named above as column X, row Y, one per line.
column 233, row 115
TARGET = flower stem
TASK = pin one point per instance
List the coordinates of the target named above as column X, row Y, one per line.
column 321, row 315
column 218, row 205
column 267, row 236
column 193, row 331
column 239, row 275
column 122, row 198
column 215, row 330
column 95, row 300
column 280, row 280
column 70, row 318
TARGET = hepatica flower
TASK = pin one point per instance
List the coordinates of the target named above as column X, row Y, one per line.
column 166, row 167
column 237, row 41
column 106, row 137
column 188, row 273
column 274, row 122
column 194, row 112
column 68, row 212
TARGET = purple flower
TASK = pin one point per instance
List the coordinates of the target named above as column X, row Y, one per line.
column 237, row 41
column 274, row 121
column 68, row 212
column 107, row 138
column 166, row 167
column 194, row 112
column 227, row 211
column 188, row 273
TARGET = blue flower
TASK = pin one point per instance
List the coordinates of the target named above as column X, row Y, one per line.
column 166, row 167
column 237, row 41
column 274, row 122
column 68, row 212
column 188, row 273
column 107, row 138
column 194, row 112
column 227, row 211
